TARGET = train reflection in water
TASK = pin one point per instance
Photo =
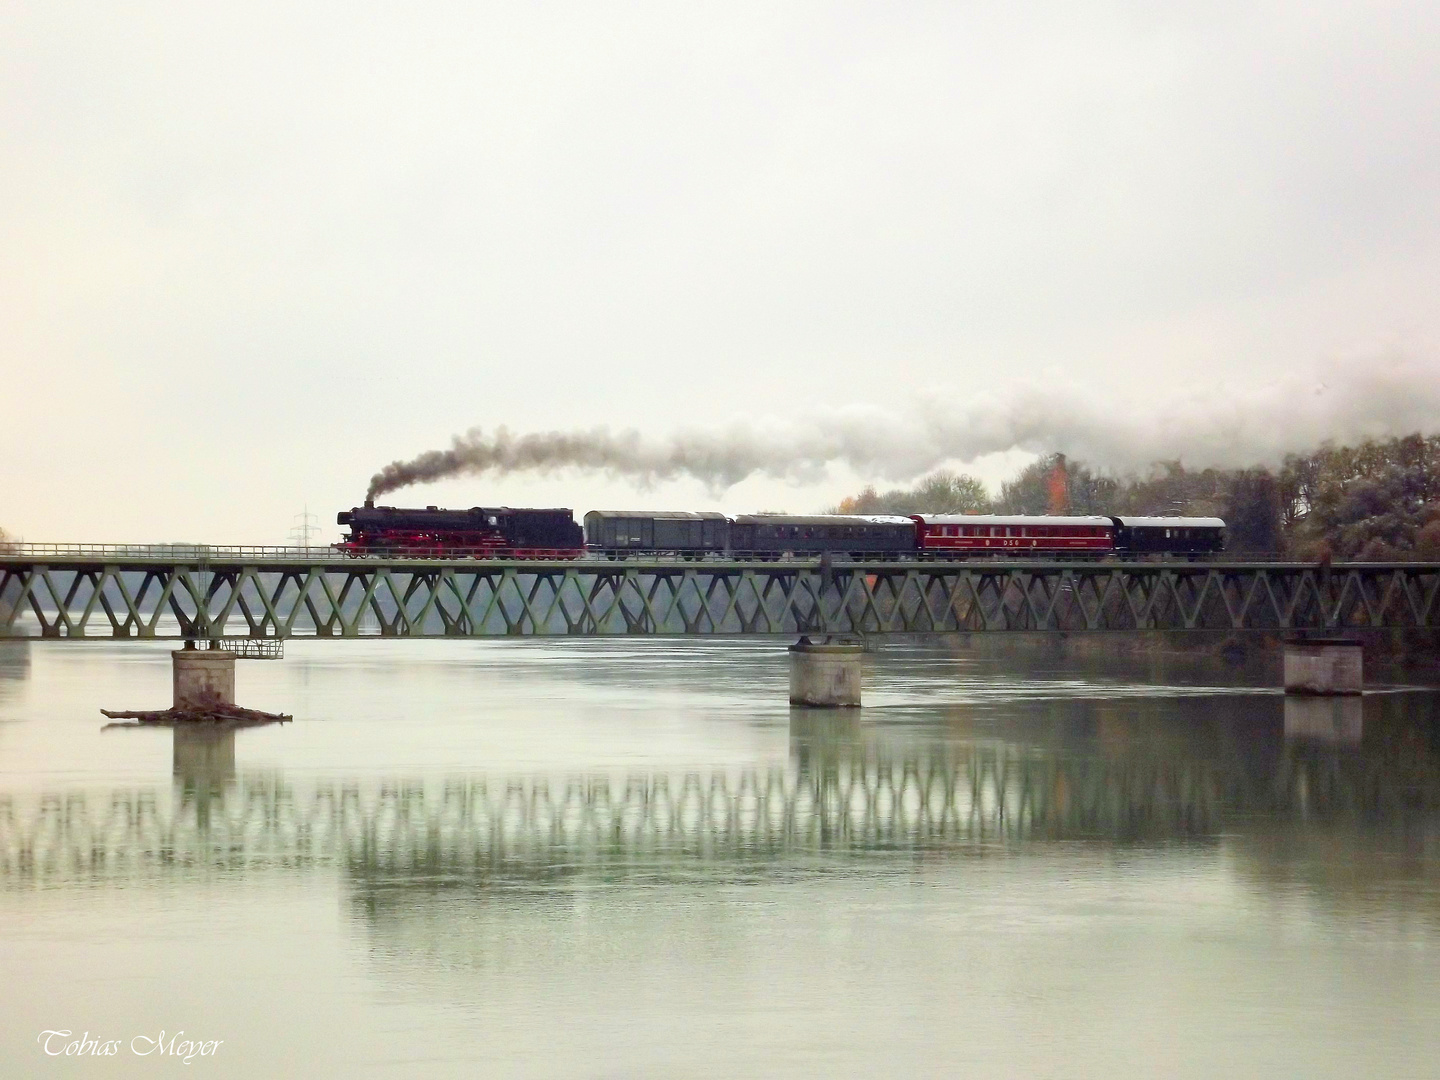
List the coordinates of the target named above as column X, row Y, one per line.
column 1080, row 770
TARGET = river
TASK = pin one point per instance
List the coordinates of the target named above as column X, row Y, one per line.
column 632, row 859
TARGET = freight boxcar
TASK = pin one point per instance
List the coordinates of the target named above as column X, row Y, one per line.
column 615, row 533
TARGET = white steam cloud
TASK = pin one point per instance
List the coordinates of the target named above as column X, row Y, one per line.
column 1221, row 426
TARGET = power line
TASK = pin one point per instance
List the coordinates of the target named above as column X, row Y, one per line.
column 306, row 526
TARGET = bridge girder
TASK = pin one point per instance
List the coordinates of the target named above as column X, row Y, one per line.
column 198, row 598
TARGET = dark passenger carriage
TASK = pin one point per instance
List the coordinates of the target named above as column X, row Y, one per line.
column 1168, row 535
column 776, row 534
column 622, row 531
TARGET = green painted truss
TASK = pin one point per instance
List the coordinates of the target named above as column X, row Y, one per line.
column 169, row 597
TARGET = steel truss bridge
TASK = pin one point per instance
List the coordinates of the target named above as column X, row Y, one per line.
column 217, row 593
column 529, row 828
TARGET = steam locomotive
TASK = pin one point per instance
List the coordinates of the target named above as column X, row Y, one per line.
column 507, row 532
column 480, row 532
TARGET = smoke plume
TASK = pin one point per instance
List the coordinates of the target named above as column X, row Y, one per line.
column 1218, row 425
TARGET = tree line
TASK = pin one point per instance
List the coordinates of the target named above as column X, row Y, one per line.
column 1378, row 501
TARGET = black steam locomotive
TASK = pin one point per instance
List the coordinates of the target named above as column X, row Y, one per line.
column 480, row 532
column 508, row 532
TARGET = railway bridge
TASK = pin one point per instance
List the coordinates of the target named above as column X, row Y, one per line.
column 249, row 600
column 72, row 592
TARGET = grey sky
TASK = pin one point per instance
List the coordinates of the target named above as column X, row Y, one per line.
column 249, row 255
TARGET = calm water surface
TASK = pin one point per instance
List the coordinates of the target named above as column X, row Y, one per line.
column 632, row 859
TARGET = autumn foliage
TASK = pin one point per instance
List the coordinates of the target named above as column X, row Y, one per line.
column 1377, row 501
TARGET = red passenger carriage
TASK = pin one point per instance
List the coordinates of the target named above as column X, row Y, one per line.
column 962, row 535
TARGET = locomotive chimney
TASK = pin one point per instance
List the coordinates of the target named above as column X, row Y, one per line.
column 369, row 504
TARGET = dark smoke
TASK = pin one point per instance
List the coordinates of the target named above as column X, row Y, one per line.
column 1219, row 426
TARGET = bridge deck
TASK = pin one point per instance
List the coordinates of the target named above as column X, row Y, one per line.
column 279, row 593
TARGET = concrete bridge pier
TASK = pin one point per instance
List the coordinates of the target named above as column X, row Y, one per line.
column 825, row 675
column 203, row 676
column 1324, row 666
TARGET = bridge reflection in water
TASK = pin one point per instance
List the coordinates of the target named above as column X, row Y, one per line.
column 1080, row 770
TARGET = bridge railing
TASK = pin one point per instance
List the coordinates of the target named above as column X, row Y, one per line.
column 180, row 553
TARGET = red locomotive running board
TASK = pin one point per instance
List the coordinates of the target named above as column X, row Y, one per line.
column 432, row 550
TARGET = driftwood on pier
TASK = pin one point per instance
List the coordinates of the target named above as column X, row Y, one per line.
column 212, row 714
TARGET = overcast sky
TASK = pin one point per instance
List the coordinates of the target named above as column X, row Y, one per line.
column 250, row 253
